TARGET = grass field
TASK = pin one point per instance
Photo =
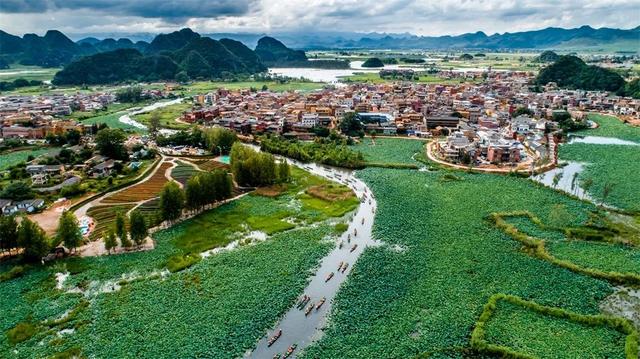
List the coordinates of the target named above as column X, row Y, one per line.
column 13, row 158
column 167, row 116
column 206, row 86
column 610, row 126
column 374, row 77
column 16, row 71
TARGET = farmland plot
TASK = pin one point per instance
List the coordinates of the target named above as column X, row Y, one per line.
column 144, row 190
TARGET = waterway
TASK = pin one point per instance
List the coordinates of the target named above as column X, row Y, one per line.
column 597, row 140
column 126, row 118
column 298, row 328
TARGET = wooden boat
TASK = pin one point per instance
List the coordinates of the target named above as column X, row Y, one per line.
column 353, row 248
column 274, row 338
column 362, row 222
column 329, row 277
column 301, row 301
column 341, row 244
column 290, row 350
column 308, row 310
column 349, row 237
column 320, row 303
column 355, row 231
column 344, row 267
column 340, row 266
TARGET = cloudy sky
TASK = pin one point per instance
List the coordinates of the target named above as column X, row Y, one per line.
column 423, row 17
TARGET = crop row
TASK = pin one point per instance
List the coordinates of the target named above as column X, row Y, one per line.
column 104, row 217
column 144, row 190
column 210, row 164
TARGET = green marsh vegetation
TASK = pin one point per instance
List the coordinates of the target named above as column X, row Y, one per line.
column 194, row 309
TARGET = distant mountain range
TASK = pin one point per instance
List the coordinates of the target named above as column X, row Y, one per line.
column 56, row 49
column 584, row 37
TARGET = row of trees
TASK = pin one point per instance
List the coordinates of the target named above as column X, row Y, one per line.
column 31, row 238
column 138, row 231
column 217, row 140
column 200, row 191
column 252, row 168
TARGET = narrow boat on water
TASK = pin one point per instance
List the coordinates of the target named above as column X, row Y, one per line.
column 320, row 303
column 362, row 222
column 341, row 244
column 274, row 338
column 340, row 266
column 290, row 350
column 355, row 232
column 344, row 267
column 353, row 248
column 276, row 356
column 308, row 310
column 303, row 302
column 329, row 277
column 349, row 237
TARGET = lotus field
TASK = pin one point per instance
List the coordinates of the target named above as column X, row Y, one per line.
column 218, row 307
column 425, row 289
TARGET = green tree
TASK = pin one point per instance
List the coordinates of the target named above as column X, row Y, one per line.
column 219, row 140
column 110, row 241
column 606, row 191
column 33, row 240
column 110, row 143
column 17, row 191
column 8, row 233
column 194, row 193
column 154, row 124
column 351, row 126
column 171, row 201
column 182, row 77
column 121, row 229
column 138, row 228
column 69, row 231
column 284, row 171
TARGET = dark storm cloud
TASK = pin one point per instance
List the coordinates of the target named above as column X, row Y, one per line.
column 141, row 8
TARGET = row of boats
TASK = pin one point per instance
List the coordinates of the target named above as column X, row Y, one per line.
column 287, row 353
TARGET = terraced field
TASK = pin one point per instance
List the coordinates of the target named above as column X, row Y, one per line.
column 104, row 217
column 183, row 171
column 209, row 164
column 144, row 190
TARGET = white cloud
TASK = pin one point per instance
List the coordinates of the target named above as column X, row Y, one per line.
column 421, row 17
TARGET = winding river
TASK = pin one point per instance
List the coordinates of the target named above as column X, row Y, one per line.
column 298, row 328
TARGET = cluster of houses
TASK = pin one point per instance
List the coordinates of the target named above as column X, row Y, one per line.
column 406, row 108
column 34, row 117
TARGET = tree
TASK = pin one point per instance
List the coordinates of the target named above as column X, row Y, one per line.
column 351, row 126
column 110, row 143
column 219, row 140
column 194, row 193
column 586, row 184
column 17, row 191
column 556, row 179
column 110, row 241
column 182, row 77
column 171, row 201
column 68, row 231
column 33, row 240
column 8, row 233
column 129, row 94
column 121, row 229
column 154, row 123
column 283, row 172
column 138, row 228
column 522, row 111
